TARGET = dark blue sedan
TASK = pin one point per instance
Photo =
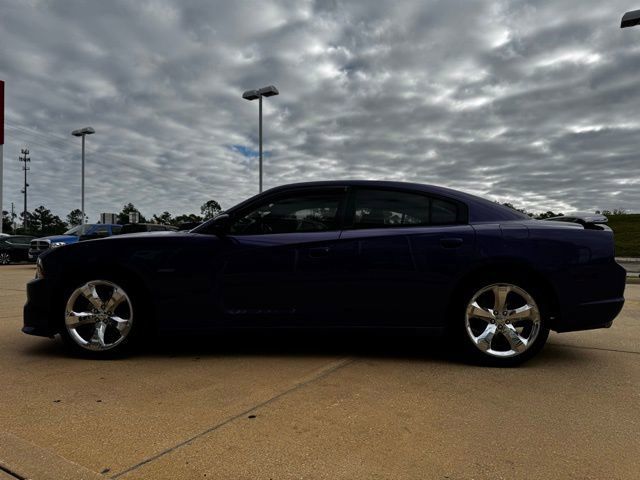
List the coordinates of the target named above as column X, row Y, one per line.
column 343, row 254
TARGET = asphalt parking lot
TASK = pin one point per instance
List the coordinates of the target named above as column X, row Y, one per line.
column 307, row 406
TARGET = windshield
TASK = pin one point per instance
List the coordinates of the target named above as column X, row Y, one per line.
column 78, row 230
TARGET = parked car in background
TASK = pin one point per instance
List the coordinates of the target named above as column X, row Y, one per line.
column 14, row 248
column 336, row 255
column 146, row 227
column 88, row 231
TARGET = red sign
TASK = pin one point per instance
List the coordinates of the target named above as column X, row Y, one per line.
column 1, row 112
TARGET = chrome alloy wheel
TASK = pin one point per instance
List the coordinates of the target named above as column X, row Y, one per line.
column 502, row 320
column 5, row 258
column 98, row 315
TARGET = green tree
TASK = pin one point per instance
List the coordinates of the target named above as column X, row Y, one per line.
column 7, row 223
column 210, row 209
column 164, row 218
column 521, row 210
column 123, row 216
column 187, row 218
column 75, row 217
column 548, row 214
column 42, row 222
column 25, row 227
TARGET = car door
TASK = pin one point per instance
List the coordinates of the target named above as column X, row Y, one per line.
column 410, row 248
column 19, row 247
column 279, row 265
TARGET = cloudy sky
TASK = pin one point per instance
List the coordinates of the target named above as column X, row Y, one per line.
column 531, row 102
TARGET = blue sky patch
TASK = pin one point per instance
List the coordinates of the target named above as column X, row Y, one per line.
column 249, row 152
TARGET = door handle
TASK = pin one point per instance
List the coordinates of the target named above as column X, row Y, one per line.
column 451, row 242
column 319, row 252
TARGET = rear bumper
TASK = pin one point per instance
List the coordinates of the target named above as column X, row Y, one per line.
column 593, row 296
column 591, row 315
column 38, row 313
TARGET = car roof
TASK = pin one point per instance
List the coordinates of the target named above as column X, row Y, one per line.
column 367, row 183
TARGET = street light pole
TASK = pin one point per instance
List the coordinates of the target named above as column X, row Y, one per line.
column 26, row 159
column 82, row 187
column 83, row 132
column 1, row 149
column 269, row 91
column 260, row 136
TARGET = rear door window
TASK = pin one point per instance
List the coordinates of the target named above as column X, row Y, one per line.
column 392, row 209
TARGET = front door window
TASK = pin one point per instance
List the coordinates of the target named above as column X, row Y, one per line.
column 297, row 213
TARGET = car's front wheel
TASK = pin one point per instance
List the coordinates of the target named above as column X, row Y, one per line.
column 99, row 318
column 503, row 323
column 5, row 258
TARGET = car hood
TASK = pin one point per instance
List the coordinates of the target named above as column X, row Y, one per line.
column 136, row 251
column 60, row 238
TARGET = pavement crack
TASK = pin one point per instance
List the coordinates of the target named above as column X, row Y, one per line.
column 11, row 473
column 322, row 374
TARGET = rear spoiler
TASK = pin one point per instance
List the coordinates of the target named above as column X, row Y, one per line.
column 593, row 221
column 591, row 218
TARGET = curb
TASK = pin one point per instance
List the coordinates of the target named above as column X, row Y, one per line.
column 627, row 260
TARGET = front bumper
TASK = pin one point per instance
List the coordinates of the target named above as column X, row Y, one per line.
column 34, row 254
column 39, row 311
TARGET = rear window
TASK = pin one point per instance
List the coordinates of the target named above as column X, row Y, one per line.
column 443, row 212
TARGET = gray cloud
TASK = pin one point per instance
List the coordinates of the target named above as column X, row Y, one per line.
column 528, row 102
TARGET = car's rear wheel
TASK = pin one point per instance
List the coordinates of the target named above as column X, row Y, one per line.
column 100, row 318
column 5, row 258
column 503, row 323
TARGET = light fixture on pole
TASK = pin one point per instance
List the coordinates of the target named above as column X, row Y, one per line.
column 630, row 19
column 83, row 132
column 269, row 91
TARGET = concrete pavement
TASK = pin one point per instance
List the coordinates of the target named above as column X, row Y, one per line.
column 309, row 406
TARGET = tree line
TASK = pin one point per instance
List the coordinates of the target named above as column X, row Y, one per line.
column 550, row 214
column 41, row 221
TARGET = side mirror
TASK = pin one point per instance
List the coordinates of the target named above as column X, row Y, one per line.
column 220, row 224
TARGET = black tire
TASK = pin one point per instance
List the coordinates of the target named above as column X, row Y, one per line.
column 464, row 328
column 131, row 310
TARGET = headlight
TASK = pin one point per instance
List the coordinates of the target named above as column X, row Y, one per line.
column 39, row 269
column 57, row 244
